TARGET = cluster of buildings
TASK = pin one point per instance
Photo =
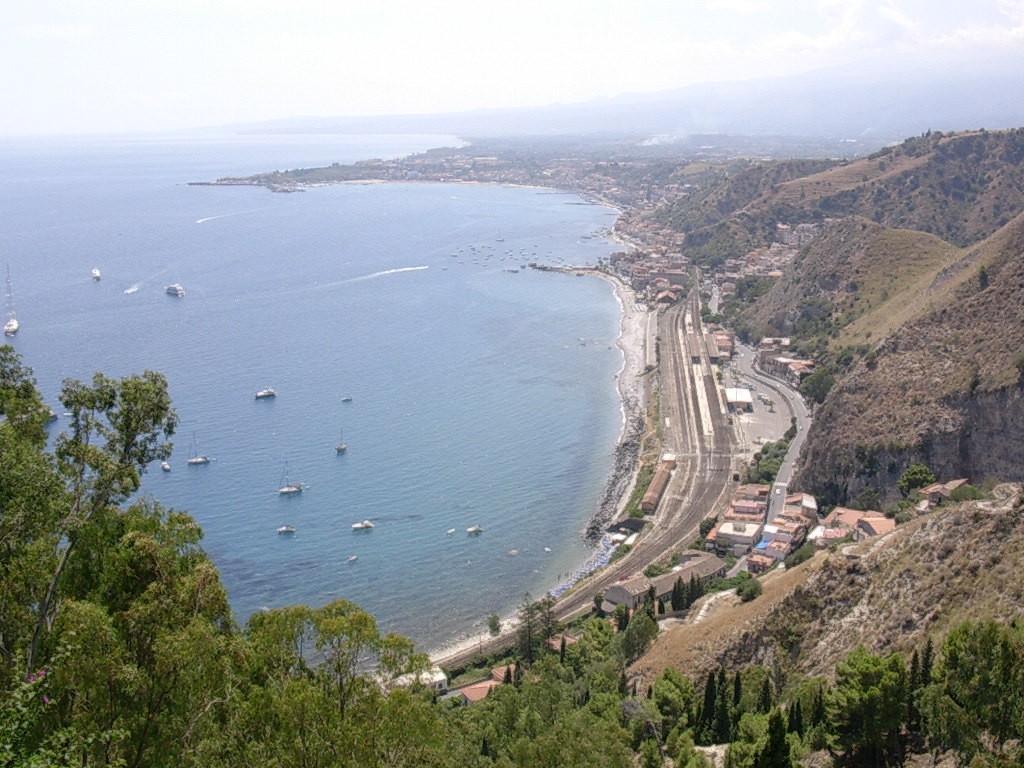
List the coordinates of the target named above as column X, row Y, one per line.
column 775, row 359
column 746, row 531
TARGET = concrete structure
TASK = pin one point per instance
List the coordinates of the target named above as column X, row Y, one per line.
column 735, row 538
column 739, row 399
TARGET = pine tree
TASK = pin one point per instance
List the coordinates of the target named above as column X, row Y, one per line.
column 737, row 690
column 796, row 719
column 678, row 598
column 775, row 753
column 927, row 659
column 765, row 697
column 705, row 722
column 723, row 722
column 913, row 686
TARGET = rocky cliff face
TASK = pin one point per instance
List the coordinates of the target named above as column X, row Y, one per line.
column 946, row 390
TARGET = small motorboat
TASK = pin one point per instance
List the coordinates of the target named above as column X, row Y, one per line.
column 286, row 529
column 473, row 530
column 351, row 559
column 96, row 273
column 450, row 532
column 267, row 393
column 346, row 398
column 362, row 525
column 165, row 466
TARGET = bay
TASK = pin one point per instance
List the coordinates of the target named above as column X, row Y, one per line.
column 482, row 393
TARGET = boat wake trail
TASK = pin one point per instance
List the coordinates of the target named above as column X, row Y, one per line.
column 132, row 288
column 226, row 215
column 374, row 275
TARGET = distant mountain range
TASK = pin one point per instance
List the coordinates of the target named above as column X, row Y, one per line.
column 875, row 104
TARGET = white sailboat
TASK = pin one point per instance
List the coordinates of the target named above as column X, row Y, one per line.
column 286, row 487
column 12, row 324
column 342, row 446
column 194, row 457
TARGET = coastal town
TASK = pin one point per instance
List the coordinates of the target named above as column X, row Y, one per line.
column 695, row 519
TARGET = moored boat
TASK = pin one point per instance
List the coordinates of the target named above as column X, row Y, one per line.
column 288, row 488
column 166, row 467
column 342, row 446
column 195, row 458
column 473, row 530
column 12, row 324
column 264, row 394
column 96, row 273
column 175, row 289
column 362, row 525
column 286, row 529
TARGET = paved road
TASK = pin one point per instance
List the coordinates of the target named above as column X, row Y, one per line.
column 794, row 403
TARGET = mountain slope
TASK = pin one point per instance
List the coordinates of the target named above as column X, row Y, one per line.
column 945, row 389
column 890, row 594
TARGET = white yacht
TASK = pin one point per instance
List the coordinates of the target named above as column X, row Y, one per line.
column 266, row 393
column 175, row 289
column 96, row 273
column 362, row 525
column 473, row 530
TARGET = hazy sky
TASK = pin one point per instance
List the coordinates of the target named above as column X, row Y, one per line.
column 74, row 66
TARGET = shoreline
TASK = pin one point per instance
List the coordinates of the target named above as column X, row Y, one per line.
column 632, row 343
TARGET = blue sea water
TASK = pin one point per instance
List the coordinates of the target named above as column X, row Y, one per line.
column 480, row 395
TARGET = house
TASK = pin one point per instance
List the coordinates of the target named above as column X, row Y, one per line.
column 845, row 518
column 803, row 505
column 702, row 566
column 498, row 673
column 874, row 526
column 629, row 593
column 753, row 492
column 477, row 691
column 936, row 493
column 742, row 509
column 777, row 550
column 736, row 537
column 759, row 563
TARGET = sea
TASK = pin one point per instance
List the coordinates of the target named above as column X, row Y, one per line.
column 399, row 318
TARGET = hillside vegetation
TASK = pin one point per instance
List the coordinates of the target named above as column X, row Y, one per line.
column 911, row 297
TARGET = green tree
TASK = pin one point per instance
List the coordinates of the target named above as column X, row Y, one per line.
column 673, row 695
column 528, row 635
column 118, row 427
column 749, row 589
column 639, row 634
column 817, row 386
column 775, row 752
column 915, row 476
column 866, row 708
column 494, row 625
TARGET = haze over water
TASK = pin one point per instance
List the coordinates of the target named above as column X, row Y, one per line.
column 482, row 393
